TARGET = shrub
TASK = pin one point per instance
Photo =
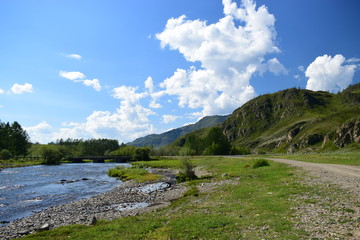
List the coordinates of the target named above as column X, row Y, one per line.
column 5, row 154
column 261, row 163
column 141, row 154
column 51, row 156
column 187, row 173
column 193, row 191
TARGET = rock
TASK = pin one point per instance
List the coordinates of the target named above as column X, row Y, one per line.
column 45, row 227
column 224, row 175
column 93, row 220
column 347, row 133
column 24, row 232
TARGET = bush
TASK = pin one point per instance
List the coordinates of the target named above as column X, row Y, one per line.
column 261, row 163
column 51, row 156
column 187, row 173
column 141, row 154
column 193, row 191
column 5, row 154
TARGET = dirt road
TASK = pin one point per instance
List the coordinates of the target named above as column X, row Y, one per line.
column 346, row 176
column 333, row 210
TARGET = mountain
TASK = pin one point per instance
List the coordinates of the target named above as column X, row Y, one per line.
column 295, row 120
column 161, row 140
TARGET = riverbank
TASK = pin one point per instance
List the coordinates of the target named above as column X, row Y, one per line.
column 235, row 201
column 129, row 199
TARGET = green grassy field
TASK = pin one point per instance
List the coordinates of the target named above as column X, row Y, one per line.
column 133, row 173
column 347, row 158
column 254, row 203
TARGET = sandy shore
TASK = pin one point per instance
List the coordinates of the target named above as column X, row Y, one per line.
column 129, row 199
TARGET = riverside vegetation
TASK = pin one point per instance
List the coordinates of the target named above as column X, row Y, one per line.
column 238, row 199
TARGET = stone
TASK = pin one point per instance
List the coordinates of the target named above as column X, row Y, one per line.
column 93, row 220
column 45, row 227
column 24, row 232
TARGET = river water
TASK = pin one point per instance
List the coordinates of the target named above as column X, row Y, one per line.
column 30, row 189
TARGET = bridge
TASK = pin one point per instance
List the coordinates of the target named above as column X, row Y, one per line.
column 101, row 159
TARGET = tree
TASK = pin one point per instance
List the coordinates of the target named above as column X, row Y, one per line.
column 5, row 154
column 216, row 142
column 50, row 155
column 141, row 154
column 14, row 138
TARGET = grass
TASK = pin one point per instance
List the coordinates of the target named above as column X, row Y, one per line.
column 171, row 162
column 347, row 158
column 255, row 205
column 133, row 173
column 11, row 163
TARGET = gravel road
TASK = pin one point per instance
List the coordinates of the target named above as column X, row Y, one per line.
column 346, row 176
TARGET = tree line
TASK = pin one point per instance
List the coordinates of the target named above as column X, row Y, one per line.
column 89, row 147
column 14, row 140
column 212, row 142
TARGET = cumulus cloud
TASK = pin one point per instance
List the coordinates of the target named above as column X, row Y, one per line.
column 73, row 56
column 20, row 89
column 274, row 66
column 169, row 118
column 79, row 77
column 328, row 73
column 149, row 84
column 41, row 132
column 92, row 83
column 72, row 75
column 230, row 52
column 2, row 91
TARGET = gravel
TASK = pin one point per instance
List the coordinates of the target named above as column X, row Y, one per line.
column 333, row 211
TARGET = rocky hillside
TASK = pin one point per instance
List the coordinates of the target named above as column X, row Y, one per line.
column 297, row 120
column 161, row 140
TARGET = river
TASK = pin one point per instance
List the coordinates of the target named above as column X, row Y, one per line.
column 30, row 189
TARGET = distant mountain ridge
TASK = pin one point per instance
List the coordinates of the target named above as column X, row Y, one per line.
column 163, row 139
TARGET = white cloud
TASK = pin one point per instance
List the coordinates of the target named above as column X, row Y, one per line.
column 301, row 68
column 41, row 132
column 169, row 118
column 70, row 124
column 353, row 60
column 79, row 77
column 126, row 123
column 92, row 83
column 74, row 56
column 2, row 91
column 128, row 94
column 297, row 77
column 72, row 75
column 274, row 66
column 20, row 89
column 229, row 53
column 328, row 73
column 149, row 84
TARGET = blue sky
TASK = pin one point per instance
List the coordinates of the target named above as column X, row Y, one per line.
column 125, row 69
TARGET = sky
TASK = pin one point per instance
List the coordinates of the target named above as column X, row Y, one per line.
column 126, row 69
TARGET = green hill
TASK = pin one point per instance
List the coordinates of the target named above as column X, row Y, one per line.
column 292, row 120
column 297, row 120
column 161, row 140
